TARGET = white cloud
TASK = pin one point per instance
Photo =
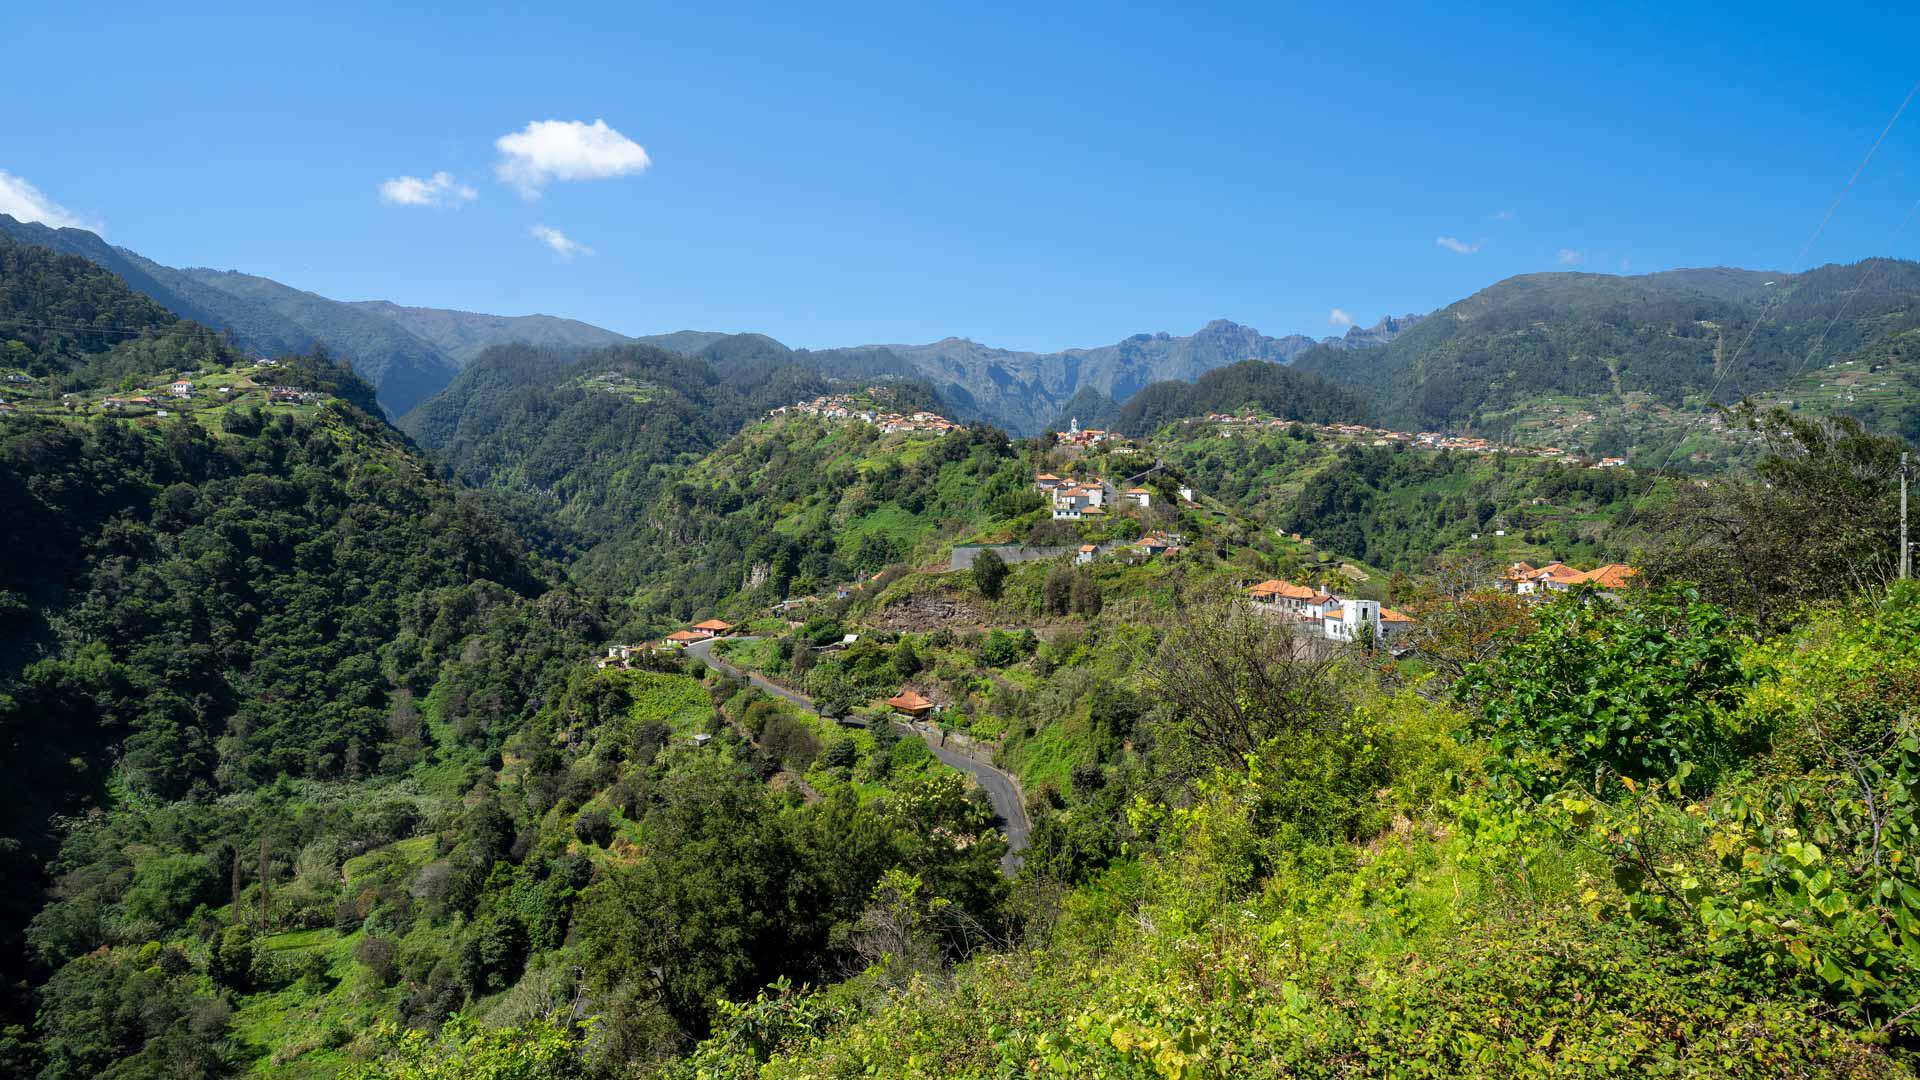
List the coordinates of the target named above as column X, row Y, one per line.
column 1503, row 215
column 1570, row 257
column 562, row 245
column 1458, row 246
column 28, row 203
column 549, row 150
column 1339, row 318
column 440, row 189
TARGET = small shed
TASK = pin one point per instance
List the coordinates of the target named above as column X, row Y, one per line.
column 910, row 703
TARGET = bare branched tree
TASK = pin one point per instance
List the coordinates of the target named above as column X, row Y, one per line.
column 1452, row 633
column 1227, row 678
column 1818, row 517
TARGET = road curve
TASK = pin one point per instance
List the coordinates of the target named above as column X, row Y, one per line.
column 1003, row 791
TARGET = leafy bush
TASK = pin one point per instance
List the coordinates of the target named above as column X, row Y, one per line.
column 1601, row 691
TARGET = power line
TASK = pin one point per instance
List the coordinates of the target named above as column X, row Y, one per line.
column 1780, row 295
column 79, row 328
column 1858, row 288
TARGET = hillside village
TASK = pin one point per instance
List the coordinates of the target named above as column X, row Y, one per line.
column 1226, row 425
column 184, row 392
column 863, row 407
column 1076, row 500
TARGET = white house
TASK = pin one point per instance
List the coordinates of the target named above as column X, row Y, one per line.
column 1344, row 624
column 181, row 388
column 1071, row 501
column 1138, row 496
column 1186, row 493
column 1085, row 554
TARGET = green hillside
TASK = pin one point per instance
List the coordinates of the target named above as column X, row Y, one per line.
column 1656, row 341
column 802, row 505
column 302, row 742
column 1275, row 390
column 263, row 317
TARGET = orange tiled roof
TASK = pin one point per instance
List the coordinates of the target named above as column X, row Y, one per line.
column 1387, row 614
column 1610, row 576
column 1284, row 589
column 908, row 699
column 688, row 635
column 713, row 624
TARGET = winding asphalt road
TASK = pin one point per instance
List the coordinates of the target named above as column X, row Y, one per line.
column 1003, row 791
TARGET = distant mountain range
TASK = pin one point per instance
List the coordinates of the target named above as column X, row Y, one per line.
column 412, row 353
column 1489, row 362
column 463, row 335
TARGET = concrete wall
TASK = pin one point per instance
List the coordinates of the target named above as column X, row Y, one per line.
column 963, row 554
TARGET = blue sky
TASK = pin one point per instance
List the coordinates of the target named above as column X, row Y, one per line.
column 837, row 176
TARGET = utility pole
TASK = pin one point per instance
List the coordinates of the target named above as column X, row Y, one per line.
column 1906, row 550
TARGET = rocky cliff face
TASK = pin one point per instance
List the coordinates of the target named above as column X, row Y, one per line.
column 1388, row 328
column 1023, row 391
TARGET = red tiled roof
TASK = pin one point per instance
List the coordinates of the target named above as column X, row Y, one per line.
column 908, row 699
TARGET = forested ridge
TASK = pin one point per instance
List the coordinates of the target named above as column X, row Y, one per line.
column 1276, row 390
column 584, row 440
column 1673, row 337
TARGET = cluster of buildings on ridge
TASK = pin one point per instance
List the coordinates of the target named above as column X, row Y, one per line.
column 1329, row 615
column 621, row 656
column 1076, row 436
column 1324, row 614
column 1075, row 500
column 848, row 407
column 1151, row 546
column 1525, row 579
column 1422, row 440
